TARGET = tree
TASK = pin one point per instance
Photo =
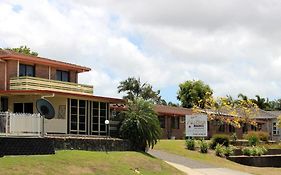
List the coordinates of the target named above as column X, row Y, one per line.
column 140, row 125
column 227, row 110
column 24, row 50
column 242, row 96
column 135, row 89
column 192, row 92
column 262, row 103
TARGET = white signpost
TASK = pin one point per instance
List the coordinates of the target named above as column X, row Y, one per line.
column 196, row 125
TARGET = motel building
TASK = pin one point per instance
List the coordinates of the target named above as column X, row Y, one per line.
column 25, row 80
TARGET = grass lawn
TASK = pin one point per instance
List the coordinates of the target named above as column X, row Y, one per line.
column 178, row 147
column 86, row 162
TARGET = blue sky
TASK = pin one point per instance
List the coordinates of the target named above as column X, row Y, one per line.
column 234, row 46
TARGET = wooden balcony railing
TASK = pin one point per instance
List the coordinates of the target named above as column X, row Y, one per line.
column 35, row 83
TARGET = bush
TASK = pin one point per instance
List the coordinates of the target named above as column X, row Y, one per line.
column 190, row 144
column 254, row 151
column 252, row 138
column 203, row 145
column 219, row 139
column 233, row 137
column 229, row 151
column 220, row 149
column 263, row 136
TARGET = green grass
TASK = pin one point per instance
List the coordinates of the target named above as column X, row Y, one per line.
column 86, row 162
column 178, row 147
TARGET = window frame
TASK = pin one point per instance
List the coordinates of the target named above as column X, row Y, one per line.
column 60, row 73
column 275, row 129
column 24, row 67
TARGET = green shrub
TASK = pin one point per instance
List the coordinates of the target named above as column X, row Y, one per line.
column 263, row 136
column 222, row 139
column 254, row 151
column 229, row 151
column 252, row 138
column 246, row 151
column 233, row 137
column 203, row 145
column 190, row 144
column 220, row 150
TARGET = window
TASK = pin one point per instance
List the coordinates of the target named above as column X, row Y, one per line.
column 253, row 128
column 62, row 75
column 162, row 121
column 182, row 119
column 4, row 104
column 245, row 128
column 99, row 115
column 78, row 116
column 175, row 123
column 222, row 128
column 275, row 130
column 231, row 128
column 23, row 108
column 27, row 70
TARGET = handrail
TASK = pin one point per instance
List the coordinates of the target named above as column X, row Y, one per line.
column 35, row 83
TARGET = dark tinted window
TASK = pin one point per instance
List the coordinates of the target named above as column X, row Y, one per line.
column 18, row 108
column 162, row 121
column 175, row 122
column 62, row 75
column 27, row 70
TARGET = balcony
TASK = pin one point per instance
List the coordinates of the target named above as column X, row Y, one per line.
column 35, row 83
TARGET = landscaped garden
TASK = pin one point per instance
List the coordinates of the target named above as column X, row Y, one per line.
column 86, row 162
column 214, row 156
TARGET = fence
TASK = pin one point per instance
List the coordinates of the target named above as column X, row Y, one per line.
column 18, row 124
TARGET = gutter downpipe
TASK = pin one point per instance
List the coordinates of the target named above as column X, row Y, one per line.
column 42, row 118
column 5, row 79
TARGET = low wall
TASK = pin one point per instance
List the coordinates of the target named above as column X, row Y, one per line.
column 90, row 144
column 48, row 145
column 25, row 146
column 258, row 161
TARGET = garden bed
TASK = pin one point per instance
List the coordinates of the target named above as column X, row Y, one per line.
column 238, row 152
column 258, row 161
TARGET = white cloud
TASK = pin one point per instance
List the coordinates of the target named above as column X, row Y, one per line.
column 232, row 45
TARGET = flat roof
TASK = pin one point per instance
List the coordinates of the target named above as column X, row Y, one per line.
column 11, row 55
column 68, row 94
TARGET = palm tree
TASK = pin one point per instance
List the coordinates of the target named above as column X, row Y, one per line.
column 242, row 96
column 140, row 125
column 262, row 103
column 135, row 89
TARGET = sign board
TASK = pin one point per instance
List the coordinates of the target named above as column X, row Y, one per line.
column 196, row 125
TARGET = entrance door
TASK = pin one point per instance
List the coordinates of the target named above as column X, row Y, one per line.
column 4, row 104
column 77, row 116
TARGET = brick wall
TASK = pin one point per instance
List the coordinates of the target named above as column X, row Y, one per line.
column 73, row 76
column 2, row 76
column 42, row 71
column 12, row 67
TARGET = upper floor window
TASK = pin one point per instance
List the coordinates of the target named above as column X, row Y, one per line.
column 27, row 70
column 62, row 75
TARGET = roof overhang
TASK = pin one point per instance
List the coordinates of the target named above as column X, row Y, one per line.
column 66, row 94
column 45, row 61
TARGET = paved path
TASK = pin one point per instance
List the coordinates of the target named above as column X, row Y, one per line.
column 193, row 167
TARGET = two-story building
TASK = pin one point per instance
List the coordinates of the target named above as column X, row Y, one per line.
column 24, row 79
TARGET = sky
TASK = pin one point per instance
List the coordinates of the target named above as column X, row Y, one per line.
column 234, row 46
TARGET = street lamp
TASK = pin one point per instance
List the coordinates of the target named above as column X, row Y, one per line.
column 106, row 122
